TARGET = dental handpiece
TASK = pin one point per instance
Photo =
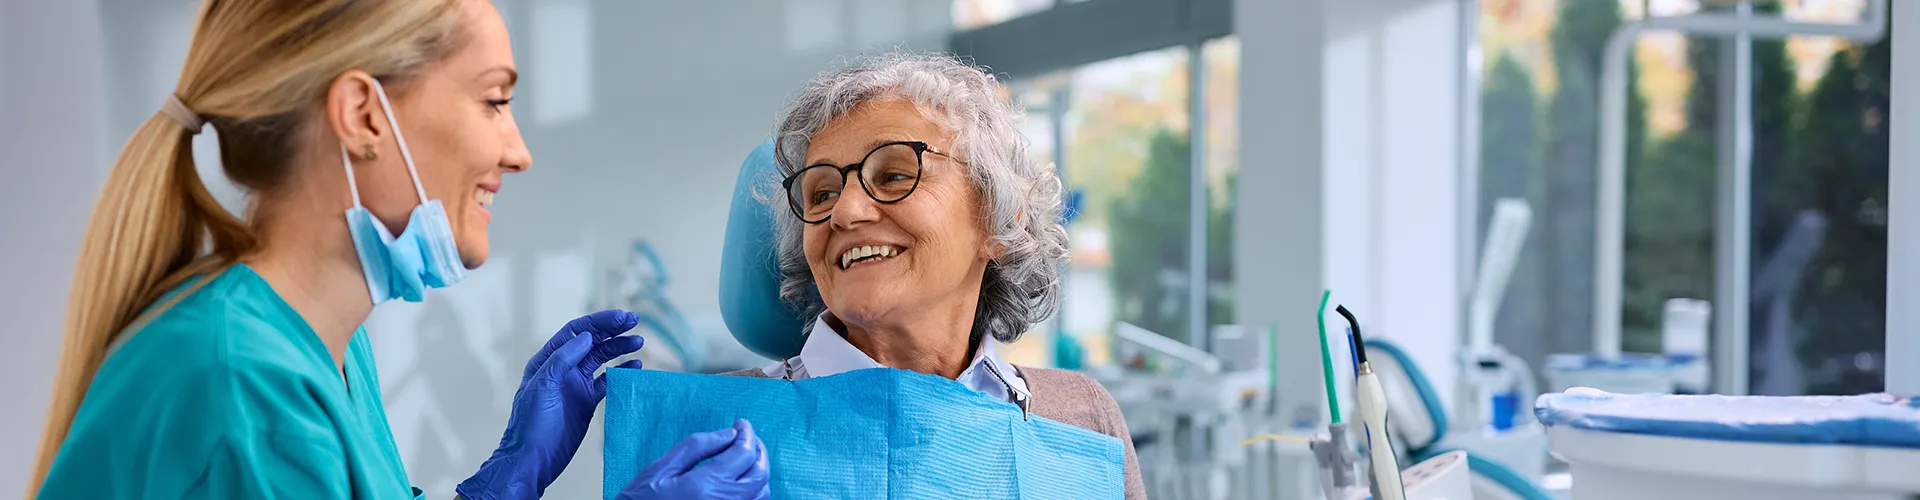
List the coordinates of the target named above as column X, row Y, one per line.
column 1372, row 401
column 1373, row 414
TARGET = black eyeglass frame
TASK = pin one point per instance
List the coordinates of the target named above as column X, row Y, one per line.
column 920, row 149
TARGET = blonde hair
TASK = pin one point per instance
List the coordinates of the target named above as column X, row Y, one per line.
column 254, row 70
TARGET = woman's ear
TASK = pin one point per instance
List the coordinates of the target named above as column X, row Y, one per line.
column 992, row 247
column 354, row 116
column 995, row 249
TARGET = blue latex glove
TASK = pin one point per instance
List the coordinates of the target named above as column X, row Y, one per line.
column 737, row 471
column 558, row 392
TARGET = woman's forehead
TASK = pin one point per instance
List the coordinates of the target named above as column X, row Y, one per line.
column 870, row 124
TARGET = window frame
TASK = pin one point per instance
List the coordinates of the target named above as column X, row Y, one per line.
column 1073, row 34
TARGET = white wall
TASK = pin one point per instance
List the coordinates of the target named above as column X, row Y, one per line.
column 52, row 130
column 1418, row 292
column 1365, row 200
column 1278, row 254
column 638, row 115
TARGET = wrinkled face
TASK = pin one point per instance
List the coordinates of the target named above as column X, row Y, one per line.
column 874, row 260
column 457, row 124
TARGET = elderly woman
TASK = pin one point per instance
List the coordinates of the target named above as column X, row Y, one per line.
column 928, row 233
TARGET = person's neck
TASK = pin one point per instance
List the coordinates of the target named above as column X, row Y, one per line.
column 933, row 340
column 308, row 258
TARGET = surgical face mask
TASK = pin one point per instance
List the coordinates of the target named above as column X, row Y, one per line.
column 422, row 256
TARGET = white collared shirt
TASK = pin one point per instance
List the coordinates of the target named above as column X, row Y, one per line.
column 828, row 353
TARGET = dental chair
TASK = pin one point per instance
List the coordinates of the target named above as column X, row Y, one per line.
column 1419, row 426
column 749, row 272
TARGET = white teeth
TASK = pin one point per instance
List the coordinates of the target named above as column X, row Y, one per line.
column 484, row 197
column 857, row 253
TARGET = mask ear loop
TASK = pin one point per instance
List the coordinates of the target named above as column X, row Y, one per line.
column 404, row 154
column 346, row 161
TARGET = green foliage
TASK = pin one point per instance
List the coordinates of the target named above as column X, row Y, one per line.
column 1220, row 251
column 1669, row 232
column 1778, row 110
column 1563, row 215
column 1509, row 134
column 1824, row 151
column 1842, row 295
column 1510, row 167
column 1671, row 191
column 1148, row 242
column 1147, row 228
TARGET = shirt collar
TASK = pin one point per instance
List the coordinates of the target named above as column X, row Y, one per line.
column 827, row 353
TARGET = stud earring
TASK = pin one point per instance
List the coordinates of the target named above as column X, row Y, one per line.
column 370, row 155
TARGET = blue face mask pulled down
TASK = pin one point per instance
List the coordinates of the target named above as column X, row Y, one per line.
column 423, row 255
column 873, row 433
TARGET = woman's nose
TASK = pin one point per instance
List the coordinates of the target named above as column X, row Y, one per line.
column 854, row 206
column 516, row 157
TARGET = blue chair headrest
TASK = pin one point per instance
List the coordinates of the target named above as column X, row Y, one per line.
column 749, row 274
column 1398, row 371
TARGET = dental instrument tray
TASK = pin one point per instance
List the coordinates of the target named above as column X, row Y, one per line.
column 1877, row 420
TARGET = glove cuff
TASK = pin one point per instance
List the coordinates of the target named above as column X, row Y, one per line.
column 495, row 482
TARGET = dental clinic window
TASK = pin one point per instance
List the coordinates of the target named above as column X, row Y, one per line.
column 1816, row 323
column 1039, row 98
column 969, row 14
column 1221, row 80
column 1121, row 126
column 1124, row 150
column 1124, row 134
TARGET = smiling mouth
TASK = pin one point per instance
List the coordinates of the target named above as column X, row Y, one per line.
column 870, row 254
column 483, row 197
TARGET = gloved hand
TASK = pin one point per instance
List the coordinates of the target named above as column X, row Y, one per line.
column 738, row 470
column 553, row 406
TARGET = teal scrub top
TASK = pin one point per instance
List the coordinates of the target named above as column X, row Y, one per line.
column 230, row 394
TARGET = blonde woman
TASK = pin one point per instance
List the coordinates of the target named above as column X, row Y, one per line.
column 210, row 356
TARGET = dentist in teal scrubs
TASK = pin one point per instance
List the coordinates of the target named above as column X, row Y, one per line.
column 207, row 355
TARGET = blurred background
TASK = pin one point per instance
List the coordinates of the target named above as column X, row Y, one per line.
column 1225, row 160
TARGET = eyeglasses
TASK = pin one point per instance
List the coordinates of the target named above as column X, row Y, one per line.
column 888, row 174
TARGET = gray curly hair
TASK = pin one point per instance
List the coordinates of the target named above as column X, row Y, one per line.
column 1019, row 198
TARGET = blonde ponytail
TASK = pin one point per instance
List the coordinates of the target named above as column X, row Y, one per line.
column 253, row 69
column 146, row 229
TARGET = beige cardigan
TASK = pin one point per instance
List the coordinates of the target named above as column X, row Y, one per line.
column 1070, row 398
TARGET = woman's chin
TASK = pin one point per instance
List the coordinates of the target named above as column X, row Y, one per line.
column 473, row 255
column 860, row 312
